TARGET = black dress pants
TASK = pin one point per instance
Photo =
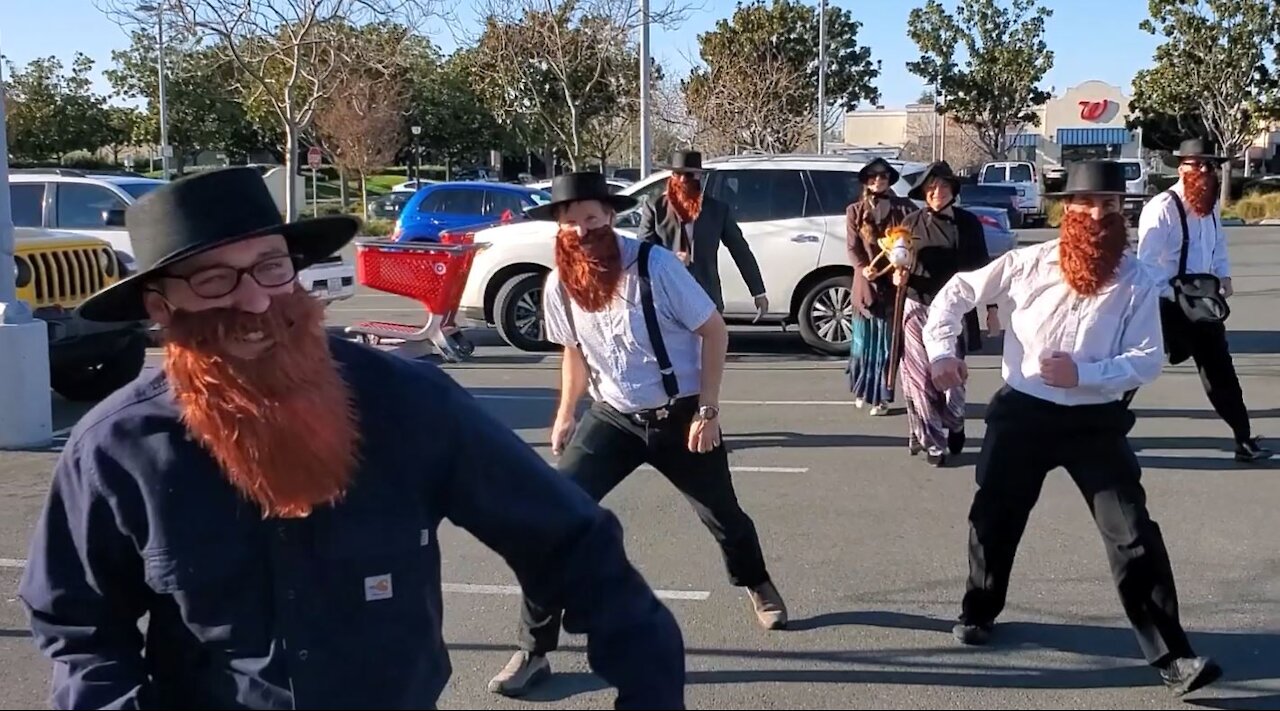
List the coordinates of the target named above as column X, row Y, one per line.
column 1206, row 344
column 1026, row 438
column 607, row 448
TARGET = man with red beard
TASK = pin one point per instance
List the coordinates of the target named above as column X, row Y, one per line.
column 1083, row 334
column 693, row 224
column 1180, row 233
column 645, row 339
column 270, row 498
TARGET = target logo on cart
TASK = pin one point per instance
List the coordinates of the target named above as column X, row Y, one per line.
column 440, row 268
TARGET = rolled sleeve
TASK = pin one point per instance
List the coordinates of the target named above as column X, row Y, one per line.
column 1221, row 259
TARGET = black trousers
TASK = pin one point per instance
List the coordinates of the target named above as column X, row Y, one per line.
column 1206, row 344
column 608, row 447
column 1026, row 438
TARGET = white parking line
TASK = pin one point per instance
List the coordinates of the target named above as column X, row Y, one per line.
column 755, row 470
column 773, row 403
column 469, row 589
column 13, row 563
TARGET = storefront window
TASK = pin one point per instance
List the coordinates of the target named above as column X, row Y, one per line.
column 1075, row 154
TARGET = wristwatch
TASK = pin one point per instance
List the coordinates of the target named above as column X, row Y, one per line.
column 708, row 412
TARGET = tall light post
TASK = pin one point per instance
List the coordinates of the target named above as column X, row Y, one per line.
column 822, row 77
column 26, row 417
column 166, row 152
column 646, row 141
column 417, row 157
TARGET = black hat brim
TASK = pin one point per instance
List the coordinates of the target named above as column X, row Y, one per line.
column 547, row 213
column 917, row 193
column 1201, row 156
column 894, row 175
column 1077, row 193
column 310, row 241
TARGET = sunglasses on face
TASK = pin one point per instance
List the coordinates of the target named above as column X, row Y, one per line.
column 1201, row 165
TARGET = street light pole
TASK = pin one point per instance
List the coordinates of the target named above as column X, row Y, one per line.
column 646, row 141
column 165, row 151
column 822, row 77
column 417, row 157
column 26, row 418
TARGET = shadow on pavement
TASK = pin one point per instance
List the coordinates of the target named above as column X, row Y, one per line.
column 15, row 633
column 1245, row 656
column 1244, row 703
column 1253, row 342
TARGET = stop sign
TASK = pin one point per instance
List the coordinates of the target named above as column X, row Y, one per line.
column 313, row 157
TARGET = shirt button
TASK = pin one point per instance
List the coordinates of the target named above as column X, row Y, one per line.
column 302, row 655
column 291, row 595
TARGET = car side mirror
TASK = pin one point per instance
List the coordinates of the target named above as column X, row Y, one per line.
column 113, row 217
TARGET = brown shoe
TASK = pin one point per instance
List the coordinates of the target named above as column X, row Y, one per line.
column 771, row 611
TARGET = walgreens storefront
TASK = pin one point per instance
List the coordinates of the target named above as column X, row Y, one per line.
column 1087, row 122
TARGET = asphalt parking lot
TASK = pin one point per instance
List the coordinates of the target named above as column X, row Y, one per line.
column 866, row 543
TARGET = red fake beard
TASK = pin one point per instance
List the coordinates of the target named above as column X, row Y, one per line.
column 590, row 266
column 1201, row 189
column 283, row 426
column 684, row 193
column 1091, row 250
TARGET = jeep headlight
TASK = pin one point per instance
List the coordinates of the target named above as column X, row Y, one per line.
column 107, row 262
column 21, row 272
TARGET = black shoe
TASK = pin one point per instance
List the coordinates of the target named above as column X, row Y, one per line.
column 1251, row 450
column 1187, row 674
column 972, row 634
column 914, row 446
column 955, row 441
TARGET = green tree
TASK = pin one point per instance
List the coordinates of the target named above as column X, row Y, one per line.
column 50, row 112
column 456, row 124
column 1218, row 63
column 993, row 86
column 759, row 86
column 121, row 126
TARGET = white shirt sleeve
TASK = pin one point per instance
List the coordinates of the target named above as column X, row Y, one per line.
column 962, row 293
column 1141, row 349
column 1160, row 239
column 1221, row 260
column 554, row 318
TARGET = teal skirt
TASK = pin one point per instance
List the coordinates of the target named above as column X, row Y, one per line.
column 869, row 359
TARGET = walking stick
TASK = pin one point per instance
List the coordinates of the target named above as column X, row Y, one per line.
column 895, row 342
column 898, row 248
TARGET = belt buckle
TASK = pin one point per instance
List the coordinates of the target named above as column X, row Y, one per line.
column 661, row 413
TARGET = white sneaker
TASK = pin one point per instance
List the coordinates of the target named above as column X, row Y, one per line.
column 879, row 410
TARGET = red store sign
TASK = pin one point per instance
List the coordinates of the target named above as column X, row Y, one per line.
column 1094, row 110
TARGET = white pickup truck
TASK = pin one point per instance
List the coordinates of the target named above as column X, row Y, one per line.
column 1022, row 175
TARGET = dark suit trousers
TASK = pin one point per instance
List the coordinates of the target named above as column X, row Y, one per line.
column 1026, row 438
column 1206, row 344
column 607, row 448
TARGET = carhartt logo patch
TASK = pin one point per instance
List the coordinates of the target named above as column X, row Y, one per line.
column 377, row 587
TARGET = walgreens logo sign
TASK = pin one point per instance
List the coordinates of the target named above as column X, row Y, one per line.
column 1094, row 110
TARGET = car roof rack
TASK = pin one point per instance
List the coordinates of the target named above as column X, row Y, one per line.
column 65, row 172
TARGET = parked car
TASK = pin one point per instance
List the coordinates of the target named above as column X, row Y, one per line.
column 451, row 206
column 56, row 272
column 615, row 186
column 387, row 207
column 93, row 205
column 1004, row 197
column 1135, row 176
column 792, row 212
column 1022, row 175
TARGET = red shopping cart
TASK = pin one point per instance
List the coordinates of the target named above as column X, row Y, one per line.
column 433, row 274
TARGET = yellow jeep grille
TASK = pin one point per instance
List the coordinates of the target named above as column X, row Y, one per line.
column 65, row 276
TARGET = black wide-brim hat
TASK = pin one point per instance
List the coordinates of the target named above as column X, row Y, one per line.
column 1094, row 177
column 1199, row 148
column 878, row 165
column 686, row 162
column 202, row 212
column 576, row 187
column 939, row 169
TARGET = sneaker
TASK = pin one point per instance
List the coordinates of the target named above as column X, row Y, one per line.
column 972, row 634
column 771, row 611
column 937, row 456
column 878, row 410
column 859, row 403
column 1187, row 674
column 522, row 673
column 1251, row 450
column 914, row 446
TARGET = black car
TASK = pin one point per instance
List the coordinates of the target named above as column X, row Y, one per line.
column 1002, row 196
column 388, row 206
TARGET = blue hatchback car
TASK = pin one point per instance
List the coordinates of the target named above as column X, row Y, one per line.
column 447, row 206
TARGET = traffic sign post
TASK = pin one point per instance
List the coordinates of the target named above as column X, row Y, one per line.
column 313, row 159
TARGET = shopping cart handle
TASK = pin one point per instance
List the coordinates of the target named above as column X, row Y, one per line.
column 386, row 244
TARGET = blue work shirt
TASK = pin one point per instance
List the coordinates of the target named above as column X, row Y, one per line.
column 341, row 609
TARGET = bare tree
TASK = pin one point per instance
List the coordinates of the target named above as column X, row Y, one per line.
column 555, row 62
column 963, row 146
column 285, row 52
column 362, row 124
column 752, row 103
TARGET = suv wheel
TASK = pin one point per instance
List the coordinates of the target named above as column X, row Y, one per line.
column 90, row 383
column 517, row 312
column 826, row 315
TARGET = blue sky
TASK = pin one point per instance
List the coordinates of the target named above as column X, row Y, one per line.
column 1091, row 39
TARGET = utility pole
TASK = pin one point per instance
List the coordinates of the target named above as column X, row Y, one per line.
column 822, row 77
column 166, row 152
column 646, row 141
column 26, row 418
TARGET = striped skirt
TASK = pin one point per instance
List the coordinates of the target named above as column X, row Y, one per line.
column 930, row 414
column 869, row 360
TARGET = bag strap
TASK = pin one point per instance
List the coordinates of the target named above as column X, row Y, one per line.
column 669, row 382
column 1186, row 233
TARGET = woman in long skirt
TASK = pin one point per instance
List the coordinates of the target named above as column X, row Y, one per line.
column 948, row 240
column 865, row 223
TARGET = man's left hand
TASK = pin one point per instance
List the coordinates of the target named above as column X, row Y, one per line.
column 762, row 307
column 1227, row 289
column 1059, row 370
column 704, row 435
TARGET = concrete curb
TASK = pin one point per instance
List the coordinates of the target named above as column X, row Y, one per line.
column 1269, row 222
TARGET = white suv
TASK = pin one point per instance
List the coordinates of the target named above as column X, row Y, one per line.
column 792, row 212
column 92, row 203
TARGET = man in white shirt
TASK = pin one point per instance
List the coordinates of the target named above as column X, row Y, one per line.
column 1083, row 334
column 648, row 342
column 1191, row 204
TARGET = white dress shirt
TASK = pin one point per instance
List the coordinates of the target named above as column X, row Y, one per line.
column 1113, row 336
column 1160, row 240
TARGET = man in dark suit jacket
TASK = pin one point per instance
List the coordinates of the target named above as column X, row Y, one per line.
column 693, row 225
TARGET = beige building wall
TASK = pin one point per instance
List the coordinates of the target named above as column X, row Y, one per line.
column 875, row 127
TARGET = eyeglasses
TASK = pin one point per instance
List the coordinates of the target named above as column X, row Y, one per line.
column 217, row 282
column 1201, row 165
